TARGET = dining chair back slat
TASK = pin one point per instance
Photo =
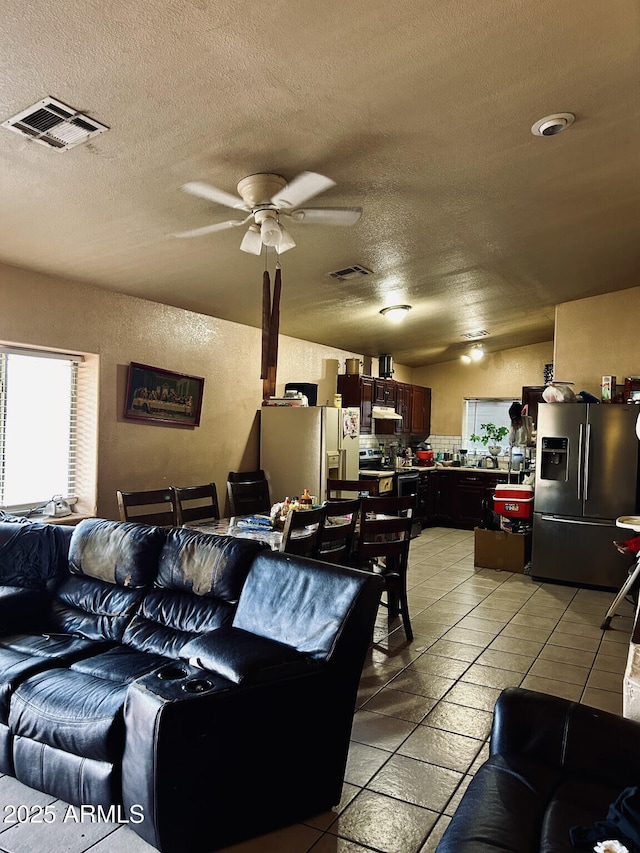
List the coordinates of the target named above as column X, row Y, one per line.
column 248, row 492
column 308, row 521
column 152, row 506
column 385, row 534
column 336, row 541
column 196, row 503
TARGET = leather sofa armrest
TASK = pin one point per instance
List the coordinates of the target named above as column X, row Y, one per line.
column 21, row 609
column 243, row 657
column 577, row 739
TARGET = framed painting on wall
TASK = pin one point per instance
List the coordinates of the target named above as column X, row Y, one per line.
column 161, row 396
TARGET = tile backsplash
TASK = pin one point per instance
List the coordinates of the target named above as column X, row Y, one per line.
column 445, row 443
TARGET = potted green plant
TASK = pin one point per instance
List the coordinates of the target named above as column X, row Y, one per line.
column 491, row 433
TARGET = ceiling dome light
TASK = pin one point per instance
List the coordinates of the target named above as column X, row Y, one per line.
column 466, row 358
column 552, row 125
column 476, row 353
column 396, row 313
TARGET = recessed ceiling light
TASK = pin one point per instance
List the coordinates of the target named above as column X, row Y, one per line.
column 395, row 313
column 552, row 125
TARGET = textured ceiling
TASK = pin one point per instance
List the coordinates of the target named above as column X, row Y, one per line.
column 420, row 111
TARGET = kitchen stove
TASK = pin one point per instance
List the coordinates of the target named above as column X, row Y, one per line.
column 370, row 458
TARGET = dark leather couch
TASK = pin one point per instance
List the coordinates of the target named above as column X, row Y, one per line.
column 554, row 765
column 201, row 682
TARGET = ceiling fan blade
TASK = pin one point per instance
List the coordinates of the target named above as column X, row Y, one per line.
column 327, row 215
column 214, row 194
column 301, row 189
column 209, row 229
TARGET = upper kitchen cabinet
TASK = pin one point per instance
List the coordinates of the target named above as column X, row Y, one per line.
column 385, row 392
column 357, row 391
column 420, row 410
column 411, row 402
column 403, row 408
column 531, row 396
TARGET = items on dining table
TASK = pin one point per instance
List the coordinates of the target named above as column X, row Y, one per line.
column 255, row 522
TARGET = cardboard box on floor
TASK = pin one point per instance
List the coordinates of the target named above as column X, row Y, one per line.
column 498, row 549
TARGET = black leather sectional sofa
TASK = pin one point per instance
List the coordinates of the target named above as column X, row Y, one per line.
column 202, row 682
column 560, row 777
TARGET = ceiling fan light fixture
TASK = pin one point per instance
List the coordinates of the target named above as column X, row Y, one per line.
column 286, row 241
column 270, row 232
column 252, row 241
column 395, row 313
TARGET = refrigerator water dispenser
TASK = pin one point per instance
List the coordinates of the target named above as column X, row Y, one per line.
column 554, row 463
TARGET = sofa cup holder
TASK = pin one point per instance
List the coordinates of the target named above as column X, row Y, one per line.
column 172, row 672
column 197, row 685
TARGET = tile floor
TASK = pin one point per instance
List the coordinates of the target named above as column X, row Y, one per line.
column 424, row 709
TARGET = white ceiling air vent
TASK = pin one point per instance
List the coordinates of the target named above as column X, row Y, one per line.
column 55, row 124
column 481, row 333
column 349, row 273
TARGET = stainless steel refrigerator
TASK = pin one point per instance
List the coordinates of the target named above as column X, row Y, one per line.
column 301, row 447
column 586, row 476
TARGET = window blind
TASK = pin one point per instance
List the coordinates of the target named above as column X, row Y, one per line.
column 38, row 427
column 483, row 410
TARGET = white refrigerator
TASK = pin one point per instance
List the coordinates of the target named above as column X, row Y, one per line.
column 301, row 447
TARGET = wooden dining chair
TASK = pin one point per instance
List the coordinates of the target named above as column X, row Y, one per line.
column 303, row 532
column 196, row 503
column 336, row 488
column 336, row 540
column 248, row 492
column 154, row 506
column 384, row 536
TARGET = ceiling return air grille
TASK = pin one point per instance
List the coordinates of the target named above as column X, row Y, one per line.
column 54, row 124
column 349, row 273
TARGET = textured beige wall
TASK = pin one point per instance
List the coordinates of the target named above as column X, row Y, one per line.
column 40, row 310
column 500, row 374
column 596, row 337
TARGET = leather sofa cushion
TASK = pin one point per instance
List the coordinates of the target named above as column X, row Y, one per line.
column 122, row 553
column 304, row 608
column 205, row 564
column 167, row 620
column 120, row 664
column 33, row 555
column 243, row 657
column 93, row 608
column 71, row 711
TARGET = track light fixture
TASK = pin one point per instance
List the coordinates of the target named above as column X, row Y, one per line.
column 475, row 353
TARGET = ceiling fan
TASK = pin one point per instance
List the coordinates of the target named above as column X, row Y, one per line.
column 268, row 199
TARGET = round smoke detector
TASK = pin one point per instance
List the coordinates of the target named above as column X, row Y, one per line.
column 550, row 125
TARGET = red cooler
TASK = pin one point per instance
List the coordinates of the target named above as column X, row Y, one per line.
column 513, row 501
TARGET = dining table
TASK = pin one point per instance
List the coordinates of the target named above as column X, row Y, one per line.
column 239, row 528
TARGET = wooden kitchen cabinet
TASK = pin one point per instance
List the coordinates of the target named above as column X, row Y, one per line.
column 385, row 392
column 412, row 402
column 461, row 496
column 427, row 491
column 358, row 391
column 420, row 410
column 470, row 498
column 403, row 408
column 531, row 397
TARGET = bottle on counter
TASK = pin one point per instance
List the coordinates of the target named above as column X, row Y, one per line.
column 306, row 501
